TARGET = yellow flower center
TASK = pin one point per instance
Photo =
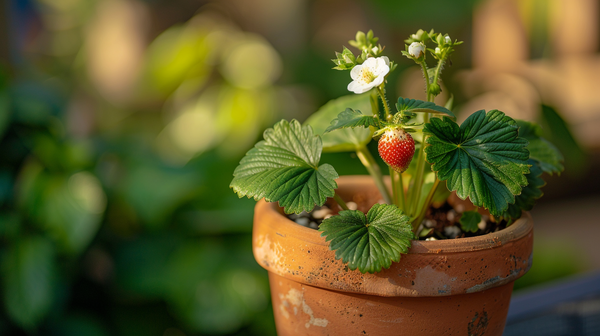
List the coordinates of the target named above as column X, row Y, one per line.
column 367, row 76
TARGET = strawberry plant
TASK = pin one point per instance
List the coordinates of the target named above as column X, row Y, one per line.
column 491, row 159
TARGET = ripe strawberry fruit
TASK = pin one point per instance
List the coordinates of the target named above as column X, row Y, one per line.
column 396, row 147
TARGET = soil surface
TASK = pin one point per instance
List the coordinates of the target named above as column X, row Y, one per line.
column 441, row 220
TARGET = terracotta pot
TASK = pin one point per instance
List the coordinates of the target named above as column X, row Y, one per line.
column 448, row 287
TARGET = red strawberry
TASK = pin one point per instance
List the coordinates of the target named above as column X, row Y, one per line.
column 396, row 147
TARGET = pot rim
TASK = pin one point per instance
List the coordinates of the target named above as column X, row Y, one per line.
column 430, row 268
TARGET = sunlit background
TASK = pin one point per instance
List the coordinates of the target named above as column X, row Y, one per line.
column 121, row 122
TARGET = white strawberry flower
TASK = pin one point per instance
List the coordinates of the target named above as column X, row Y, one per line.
column 415, row 49
column 369, row 74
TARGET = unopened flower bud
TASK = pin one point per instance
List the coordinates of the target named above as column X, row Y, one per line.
column 447, row 39
column 434, row 89
column 416, row 49
column 437, row 50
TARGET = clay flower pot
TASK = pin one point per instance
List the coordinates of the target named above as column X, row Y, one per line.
column 447, row 287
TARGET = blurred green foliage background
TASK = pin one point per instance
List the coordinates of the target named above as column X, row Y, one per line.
column 121, row 122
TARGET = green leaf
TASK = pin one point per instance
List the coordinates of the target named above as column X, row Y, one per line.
column 285, row 168
column 347, row 139
column 29, row 276
column 469, row 220
column 351, row 118
column 5, row 112
column 413, row 105
column 483, row 159
column 369, row 242
column 540, row 149
column 558, row 132
column 530, row 193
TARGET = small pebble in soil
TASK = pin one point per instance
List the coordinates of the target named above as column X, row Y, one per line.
column 451, row 231
column 313, row 225
column 321, row 213
column 451, row 215
column 482, row 225
column 428, row 223
column 430, row 239
column 459, row 208
column 303, row 221
column 352, row 205
column 327, row 216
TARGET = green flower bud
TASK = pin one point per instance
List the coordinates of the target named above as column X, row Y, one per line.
column 434, row 89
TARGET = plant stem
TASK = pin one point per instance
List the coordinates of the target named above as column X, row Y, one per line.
column 398, row 187
column 340, row 201
column 428, row 199
column 386, row 106
column 438, row 68
column 426, row 75
column 418, row 184
column 369, row 162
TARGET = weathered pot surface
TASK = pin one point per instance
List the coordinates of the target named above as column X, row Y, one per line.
column 445, row 287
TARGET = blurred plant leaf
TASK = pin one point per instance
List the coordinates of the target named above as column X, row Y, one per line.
column 285, row 168
column 469, row 220
column 368, row 242
column 142, row 263
column 179, row 53
column 34, row 104
column 557, row 131
column 541, row 150
column 69, row 208
column 483, row 159
column 224, row 294
column 29, row 278
column 156, row 190
column 529, row 194
column 79, row 324
column 5, row 113
column 342, row 140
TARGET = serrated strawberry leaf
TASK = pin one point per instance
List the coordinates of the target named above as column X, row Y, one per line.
column 368, row 242
column 541, row 150
column 469, row 220
column 529, row 194
column 483, row 159
column 284, row 168
column 346, row 139
column 407, row 105
column 353, row 118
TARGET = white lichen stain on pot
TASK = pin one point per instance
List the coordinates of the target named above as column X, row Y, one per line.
column 269, row 253
column 430, row 280
column 295, row 298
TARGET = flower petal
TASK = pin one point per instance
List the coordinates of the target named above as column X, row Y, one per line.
column 355, row 72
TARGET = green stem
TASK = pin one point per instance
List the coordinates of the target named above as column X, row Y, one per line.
column 394, row 189
column 340, row 201
column 386, row 106
column 418, row 184
column 369, row 162
column 398, row 185
column 426, row 75
column 438, row 69
column 423, row 210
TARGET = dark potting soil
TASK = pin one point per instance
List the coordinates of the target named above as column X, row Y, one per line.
column 440, row 222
